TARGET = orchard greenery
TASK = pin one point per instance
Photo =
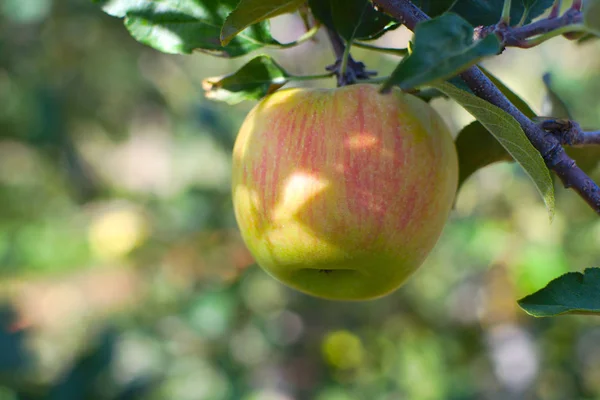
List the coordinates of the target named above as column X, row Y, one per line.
column 450, row 39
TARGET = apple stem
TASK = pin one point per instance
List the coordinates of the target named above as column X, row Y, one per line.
column 347, row 70
column 345, row 58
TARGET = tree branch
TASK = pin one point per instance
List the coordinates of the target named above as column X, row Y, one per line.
column 547, row 144
column 545, row 28
column 545, row 25
column 570, row 133
column 336, row 42
column 555, row 9
column 542, row 30
column 589, row 138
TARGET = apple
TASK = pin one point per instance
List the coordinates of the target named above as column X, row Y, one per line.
column 342, row 193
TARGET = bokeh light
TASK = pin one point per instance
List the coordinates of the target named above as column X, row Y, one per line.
column 123, row 275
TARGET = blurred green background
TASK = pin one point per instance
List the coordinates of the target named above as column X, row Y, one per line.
column 122, row 274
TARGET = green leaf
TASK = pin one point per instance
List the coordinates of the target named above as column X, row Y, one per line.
column 476, row 149
column 259, row 77
column 591, row 16
column 249, row 12
column 353, row 19
column 459, row 83
column 321, row 10
column 182, row 26
column 531, row 9
column 571, row 293
column 510, row 135
column 587, row 38
column 488, row 12
column 443, row 47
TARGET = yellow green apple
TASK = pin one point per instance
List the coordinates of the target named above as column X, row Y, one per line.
column 342, row 193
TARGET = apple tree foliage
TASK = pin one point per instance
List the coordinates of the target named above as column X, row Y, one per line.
column 459, row 35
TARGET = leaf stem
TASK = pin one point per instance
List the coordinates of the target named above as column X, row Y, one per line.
column 505, row 17
column 386, row 50
column 309, row 77
column 305, row 37
column 524, row 17
column 528, row 43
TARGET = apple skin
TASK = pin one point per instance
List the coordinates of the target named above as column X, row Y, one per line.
column 342, row 193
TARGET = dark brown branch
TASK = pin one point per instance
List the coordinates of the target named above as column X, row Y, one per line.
column 555, row 9
column 547, row 25
column 518, row 36
column 589, row 138
column 547, row 144
column 404, row 11
column 337, row 43
column 570, row 133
